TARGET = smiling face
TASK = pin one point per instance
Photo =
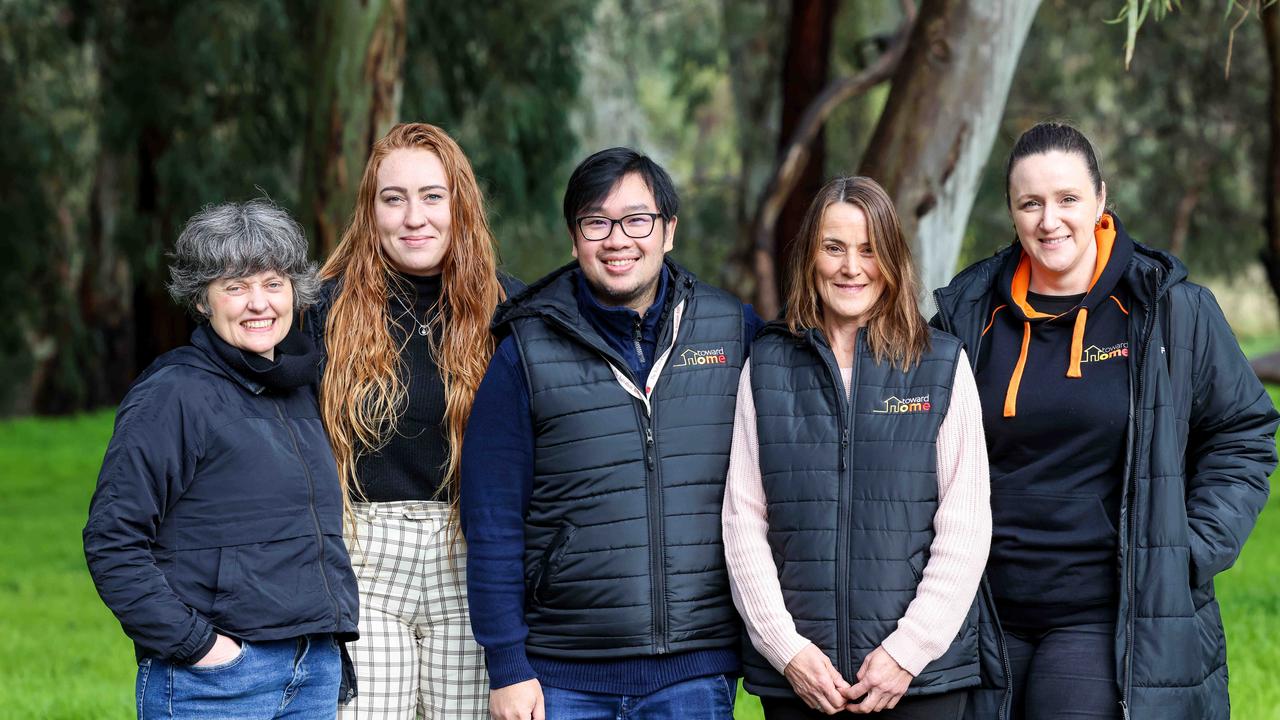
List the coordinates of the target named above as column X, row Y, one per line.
column 252, row 313
column 1055, row 208
column 846, row 273
column 623, row 271
column 412, row 210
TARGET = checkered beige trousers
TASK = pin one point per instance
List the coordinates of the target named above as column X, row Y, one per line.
column 416, row 657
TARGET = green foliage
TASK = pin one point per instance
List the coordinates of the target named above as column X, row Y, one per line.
column 1170, row 133
column 1134, row 13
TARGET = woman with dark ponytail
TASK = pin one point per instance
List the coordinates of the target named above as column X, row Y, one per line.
column 1129, row 443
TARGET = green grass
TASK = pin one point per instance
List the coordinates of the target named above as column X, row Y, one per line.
column 64, row 656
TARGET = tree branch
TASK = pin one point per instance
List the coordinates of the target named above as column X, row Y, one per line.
column 793, row 159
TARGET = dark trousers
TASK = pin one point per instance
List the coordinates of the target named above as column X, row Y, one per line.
column 946, row 706
column 1063, row 673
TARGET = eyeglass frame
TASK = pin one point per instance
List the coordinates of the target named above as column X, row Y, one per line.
column 619, row 222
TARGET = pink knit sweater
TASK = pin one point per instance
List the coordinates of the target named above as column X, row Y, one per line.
column 962, row 537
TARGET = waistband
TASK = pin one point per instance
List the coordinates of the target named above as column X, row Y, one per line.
column 408, row 509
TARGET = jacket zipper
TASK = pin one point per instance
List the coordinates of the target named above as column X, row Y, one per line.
column 635, row 339
column 1006, row 702
column 311, row 505
column 844, row 405
column 653, row 486
column 1132, row 505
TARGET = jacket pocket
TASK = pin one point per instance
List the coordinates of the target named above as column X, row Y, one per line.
column 228, row 578
column 549, row 564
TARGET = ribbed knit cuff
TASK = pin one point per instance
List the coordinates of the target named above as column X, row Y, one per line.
column 906, row 652
column 781, row 650
column 508, row 666
column 198, row 643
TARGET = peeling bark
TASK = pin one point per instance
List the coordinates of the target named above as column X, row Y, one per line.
column 936, row 131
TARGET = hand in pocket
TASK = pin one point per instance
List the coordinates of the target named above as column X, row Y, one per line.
column 224, row 650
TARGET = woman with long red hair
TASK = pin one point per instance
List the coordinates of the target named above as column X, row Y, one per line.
column 404, row 319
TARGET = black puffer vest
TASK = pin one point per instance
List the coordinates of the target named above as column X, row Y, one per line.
column 851, row 490
column 623, row 550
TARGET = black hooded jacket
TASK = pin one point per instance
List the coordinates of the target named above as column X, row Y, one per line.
column 1199, row 446
column 218, row 508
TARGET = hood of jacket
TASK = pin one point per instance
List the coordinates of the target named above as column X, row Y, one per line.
column 966, row 302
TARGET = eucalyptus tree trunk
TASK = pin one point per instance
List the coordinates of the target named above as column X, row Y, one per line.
column 804, row 76
column 359, row 57
column 941, row 117
column 753, row 41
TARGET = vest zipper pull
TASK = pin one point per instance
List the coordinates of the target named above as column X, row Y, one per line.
column 648, row 441
column 844, row 448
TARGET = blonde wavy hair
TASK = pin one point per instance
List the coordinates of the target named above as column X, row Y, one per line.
column 363, row 392
column 896, row 331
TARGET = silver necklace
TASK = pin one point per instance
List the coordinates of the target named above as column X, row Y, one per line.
column 422, row 328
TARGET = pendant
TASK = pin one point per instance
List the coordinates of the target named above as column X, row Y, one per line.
column 422, row 330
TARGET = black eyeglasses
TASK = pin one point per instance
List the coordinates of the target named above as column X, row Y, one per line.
column 635, row 225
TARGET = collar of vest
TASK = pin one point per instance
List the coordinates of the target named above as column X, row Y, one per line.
column 554, row 297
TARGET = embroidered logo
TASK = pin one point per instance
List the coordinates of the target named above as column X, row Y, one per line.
column 898, row 406
column 693, row 356
column 1093, row 353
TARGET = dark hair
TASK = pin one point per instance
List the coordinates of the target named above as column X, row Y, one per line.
column 1049, row 136
column 896, row 330
column 595, row 177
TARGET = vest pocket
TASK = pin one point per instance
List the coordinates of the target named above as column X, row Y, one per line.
column 917, row 562
column 545, row 573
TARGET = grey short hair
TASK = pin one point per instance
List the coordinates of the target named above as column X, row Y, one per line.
column 233, row 240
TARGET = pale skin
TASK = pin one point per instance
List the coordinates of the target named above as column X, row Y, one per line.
column 849, row 283
column 522, row 701
column 224, row 650
column 623, row 271
column 1055, row 208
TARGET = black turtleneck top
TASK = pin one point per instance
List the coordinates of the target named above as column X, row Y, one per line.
column 411, row 465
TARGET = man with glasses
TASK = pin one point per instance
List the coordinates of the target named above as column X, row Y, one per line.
column 593, row 471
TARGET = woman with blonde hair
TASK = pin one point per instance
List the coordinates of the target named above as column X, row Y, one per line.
column 856, row 522
column 404, row 319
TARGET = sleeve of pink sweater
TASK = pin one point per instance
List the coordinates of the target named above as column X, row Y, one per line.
column 962, row 538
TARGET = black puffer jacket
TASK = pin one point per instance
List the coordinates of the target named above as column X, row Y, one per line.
column 218, row 508
column 1201, row 444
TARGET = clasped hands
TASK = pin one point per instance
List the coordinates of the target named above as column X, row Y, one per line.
column 881, row 682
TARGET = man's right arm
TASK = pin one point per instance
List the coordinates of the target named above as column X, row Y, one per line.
column 496, row 481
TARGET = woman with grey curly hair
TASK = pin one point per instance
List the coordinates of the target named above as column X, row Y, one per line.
column 215, row 533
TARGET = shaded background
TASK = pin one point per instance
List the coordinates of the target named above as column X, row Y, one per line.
column 121, row 119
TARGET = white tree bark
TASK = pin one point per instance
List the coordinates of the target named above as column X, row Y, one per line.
column 939, row 122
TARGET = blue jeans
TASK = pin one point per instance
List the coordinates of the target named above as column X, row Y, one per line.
column 704, row 698
column 294, row 678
